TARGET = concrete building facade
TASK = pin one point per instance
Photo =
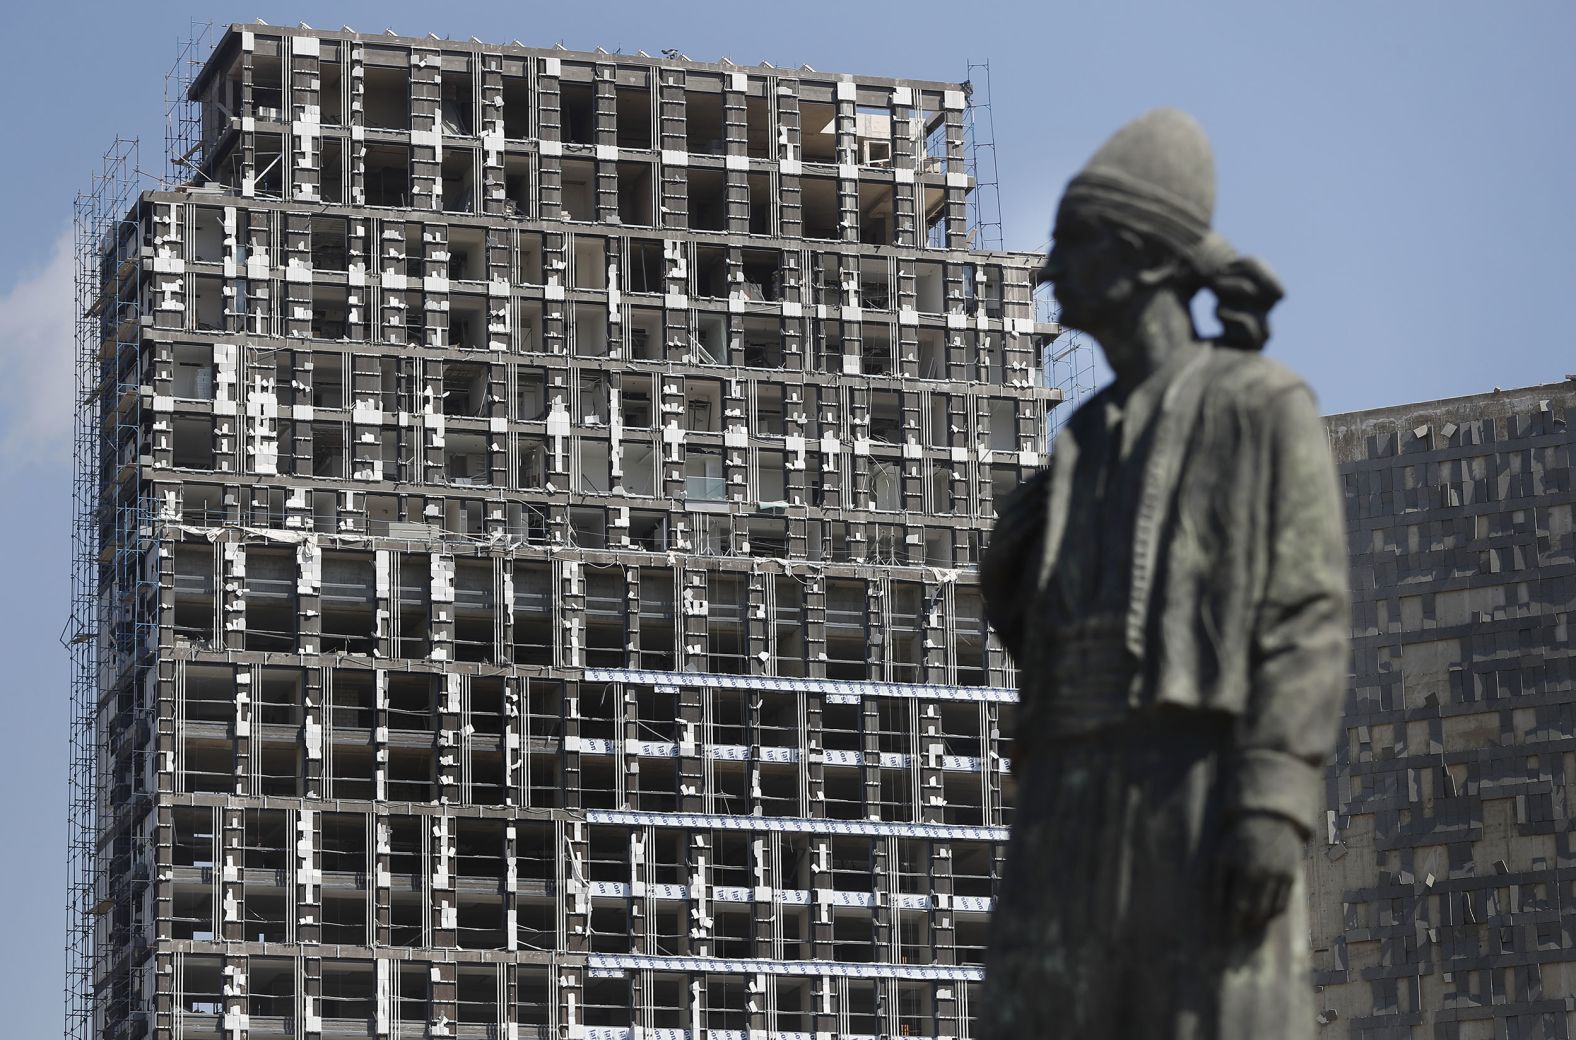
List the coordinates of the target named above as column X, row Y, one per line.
column 527, row 503
column 1444, row 891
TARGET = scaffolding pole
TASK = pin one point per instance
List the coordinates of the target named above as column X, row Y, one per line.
column 979, row 144
column 183, row 118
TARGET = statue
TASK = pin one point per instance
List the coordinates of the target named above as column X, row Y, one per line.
column 1173, row 588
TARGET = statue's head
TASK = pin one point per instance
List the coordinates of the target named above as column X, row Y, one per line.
column 1136, row 221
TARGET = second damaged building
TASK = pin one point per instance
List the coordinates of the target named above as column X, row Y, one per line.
column 539, row 597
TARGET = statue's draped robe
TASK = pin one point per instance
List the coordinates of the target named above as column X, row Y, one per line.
column 1174, row 590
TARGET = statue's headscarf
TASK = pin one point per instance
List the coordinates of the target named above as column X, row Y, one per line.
column 1156, row 177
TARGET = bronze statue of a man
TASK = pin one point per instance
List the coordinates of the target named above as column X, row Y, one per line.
column 1174, row 589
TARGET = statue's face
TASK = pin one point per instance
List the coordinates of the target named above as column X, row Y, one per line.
column 1093, row 273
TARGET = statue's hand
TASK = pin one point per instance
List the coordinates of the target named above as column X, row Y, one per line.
column 1259, row 855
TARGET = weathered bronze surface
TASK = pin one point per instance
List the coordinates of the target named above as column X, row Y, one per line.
column 1174, row 589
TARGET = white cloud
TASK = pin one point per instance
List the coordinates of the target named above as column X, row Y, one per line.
column 37, row 389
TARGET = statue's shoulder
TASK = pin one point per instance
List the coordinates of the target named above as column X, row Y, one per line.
column 1090, row 412
column 1247, row 378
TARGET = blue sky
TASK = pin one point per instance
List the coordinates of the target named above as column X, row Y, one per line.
column 1405, row 167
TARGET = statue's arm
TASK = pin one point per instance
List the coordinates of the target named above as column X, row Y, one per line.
column 1299, row 653
column 1010, row 567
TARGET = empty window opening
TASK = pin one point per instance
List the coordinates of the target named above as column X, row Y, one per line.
column 331, row 171
column 349, row 992
column 1004, row 427
column 475, row 611
column 649, row 531
column 875, row 351
column 761, row 198
column 762, row 143
column 518, row 183
column 193, row 371
column 632, row 110
column 875, row 285
column 708, row 199
column 516, row 107
column 590, row 263
column 819, row 207
column 703, row 478
column 703, row 406
column 763, row 274
column 477, row 992
column 588, row 528
column 457, row 105
column 270, row 600
column 330, row 243
column 467, row 460
column 636, row 201
column 710, row 343
column 577, row 112
column 876, row 214
column 703, row 122
column 533, row 613
column 818, row 132
column 590, row 330
column 594, row 477
column 530, row 394
column 202, row 985
column 634, row 401
column 645, row 265
column 331, row 90
column 209, row 313
column 208, row 234
column 578, row 194
column 386, row 100
column 711, row 271
column 269, row 179
column 349, row 601
column 414, row 588
column 467, row 254
column 330, row 312
column 387, row 175
column 873, row 134
column 640, row 466
column 932, row 354
column 532, row 473
column 935, row 201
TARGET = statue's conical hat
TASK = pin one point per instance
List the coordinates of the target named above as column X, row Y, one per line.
column 1156, row 176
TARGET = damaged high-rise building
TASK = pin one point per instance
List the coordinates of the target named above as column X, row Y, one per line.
column 526, row 510
column 1444, row 885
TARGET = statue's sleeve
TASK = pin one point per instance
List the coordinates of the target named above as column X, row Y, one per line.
column 1011, row 563
column 1299, row 653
